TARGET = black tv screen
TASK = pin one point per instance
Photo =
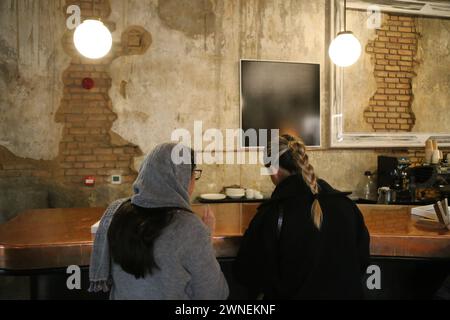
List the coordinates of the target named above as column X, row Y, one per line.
column 281, row 95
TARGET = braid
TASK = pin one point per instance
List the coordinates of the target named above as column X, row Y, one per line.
column 301, row 159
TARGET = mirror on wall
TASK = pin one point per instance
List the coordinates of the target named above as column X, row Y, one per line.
column 398, row 93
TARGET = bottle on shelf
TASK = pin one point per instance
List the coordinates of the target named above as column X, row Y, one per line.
column 369, row 191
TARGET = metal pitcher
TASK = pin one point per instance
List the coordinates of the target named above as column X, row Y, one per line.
column 385, row 195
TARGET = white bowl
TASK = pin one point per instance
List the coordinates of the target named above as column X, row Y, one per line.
column 236, row 196
column 234, row 192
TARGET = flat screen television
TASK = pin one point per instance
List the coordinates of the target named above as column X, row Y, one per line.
column 280, row 95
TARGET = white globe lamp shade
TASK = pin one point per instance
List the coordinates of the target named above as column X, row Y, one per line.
column 92, row 39
column 345, row 49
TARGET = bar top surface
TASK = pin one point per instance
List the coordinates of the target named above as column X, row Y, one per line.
column 55, row 238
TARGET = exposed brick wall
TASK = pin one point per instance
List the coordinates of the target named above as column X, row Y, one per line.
column 87, row 147
column 393, row 51
column 417, row 155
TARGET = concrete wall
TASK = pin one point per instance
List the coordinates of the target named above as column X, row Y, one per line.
column 31, row 63
column 359, row 81
column 431, row 86
column 189, row 73
column 192, row 73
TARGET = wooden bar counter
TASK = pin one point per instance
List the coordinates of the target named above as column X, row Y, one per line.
column 57, row 238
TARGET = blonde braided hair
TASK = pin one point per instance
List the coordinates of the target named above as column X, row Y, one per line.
column 298, row 152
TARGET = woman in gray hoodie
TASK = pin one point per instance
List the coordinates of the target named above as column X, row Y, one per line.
column 151, row 246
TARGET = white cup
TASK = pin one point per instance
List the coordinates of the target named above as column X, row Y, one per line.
column 250, row 194
column 436, row 157
column 259, row 195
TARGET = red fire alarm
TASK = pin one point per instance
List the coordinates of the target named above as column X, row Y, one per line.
column 88, row 83
column 89, row 181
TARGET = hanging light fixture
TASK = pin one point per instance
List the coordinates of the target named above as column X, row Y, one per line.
column 92, row 38
column 345, row 49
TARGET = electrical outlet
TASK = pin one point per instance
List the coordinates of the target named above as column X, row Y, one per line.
column 116, row 179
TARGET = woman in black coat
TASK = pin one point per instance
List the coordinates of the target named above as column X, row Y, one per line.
column 309, row 241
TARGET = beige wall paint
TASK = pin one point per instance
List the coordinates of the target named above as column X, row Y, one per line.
column 185, row 77
column 431, row 86
column 31, row 64
column 359, row 81
column 189, row 73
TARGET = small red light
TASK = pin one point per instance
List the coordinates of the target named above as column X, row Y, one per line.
column 88, row 83
column 89, row 181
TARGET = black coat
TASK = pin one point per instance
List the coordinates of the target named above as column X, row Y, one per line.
column 297, row 261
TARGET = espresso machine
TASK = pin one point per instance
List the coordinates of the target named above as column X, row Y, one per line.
column 393, row 175
column 418, row 185
column 431, row 182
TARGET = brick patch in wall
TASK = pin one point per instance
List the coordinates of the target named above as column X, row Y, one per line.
column 86, row 148
column 393, row 51
column 415, row 155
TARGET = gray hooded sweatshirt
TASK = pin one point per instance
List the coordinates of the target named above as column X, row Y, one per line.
column 188, row 268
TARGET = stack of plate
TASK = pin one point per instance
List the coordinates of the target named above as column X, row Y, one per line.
column 213, row 196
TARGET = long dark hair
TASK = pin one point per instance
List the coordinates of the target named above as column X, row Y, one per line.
column 133, row 232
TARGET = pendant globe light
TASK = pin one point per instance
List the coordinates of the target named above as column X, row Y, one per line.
column 92, row 38
column 345, row 49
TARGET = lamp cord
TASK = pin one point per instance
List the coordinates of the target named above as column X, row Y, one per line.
column 345, row 15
